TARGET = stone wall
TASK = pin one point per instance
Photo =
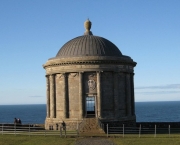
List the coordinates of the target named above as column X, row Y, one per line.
column 112, row 86
column 59, row 95
column 122, row 95
column 73, row 93
column 107, row 90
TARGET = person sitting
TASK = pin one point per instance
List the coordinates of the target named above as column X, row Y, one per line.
column 19, row 121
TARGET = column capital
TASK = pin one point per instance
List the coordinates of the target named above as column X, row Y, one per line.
column 64, row 74
column 132, row 74
column 52, row 75
column 99, row 73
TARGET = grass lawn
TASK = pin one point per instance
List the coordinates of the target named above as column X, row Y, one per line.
column 147, row 140
column 118, row 140
column 35, row 140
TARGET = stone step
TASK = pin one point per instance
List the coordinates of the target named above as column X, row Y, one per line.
column 91, row 126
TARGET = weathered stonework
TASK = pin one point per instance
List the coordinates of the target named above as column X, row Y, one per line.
column 106, row 76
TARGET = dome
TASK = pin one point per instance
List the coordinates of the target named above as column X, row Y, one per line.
column 88, row 45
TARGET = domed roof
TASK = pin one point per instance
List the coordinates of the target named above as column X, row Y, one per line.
column 88, row 45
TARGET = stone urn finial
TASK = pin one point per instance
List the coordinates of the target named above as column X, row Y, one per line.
column 87, row 25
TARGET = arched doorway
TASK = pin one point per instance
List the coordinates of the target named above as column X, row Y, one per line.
column 90, row 106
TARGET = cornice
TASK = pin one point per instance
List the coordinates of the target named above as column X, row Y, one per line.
column 97, row 62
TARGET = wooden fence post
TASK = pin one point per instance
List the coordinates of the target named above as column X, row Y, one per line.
column 65, row 130
column 29, row 130
column 107, row 130
column 123, row 130
column 140, row 130
column 155, row 131
column 2, row 129
column 14, row 129
column 60, row 131
column 45, row 132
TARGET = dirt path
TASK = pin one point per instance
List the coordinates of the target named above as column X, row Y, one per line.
column 94, row 141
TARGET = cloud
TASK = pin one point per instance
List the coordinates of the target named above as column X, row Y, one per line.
column 170, row 86
column 36, row 96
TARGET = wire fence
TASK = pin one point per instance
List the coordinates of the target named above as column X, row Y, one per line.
column 31, row 130
column 154, row 130
column 100, row 124
column 123, row 131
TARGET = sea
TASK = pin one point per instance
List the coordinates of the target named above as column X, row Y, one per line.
column 168, row 111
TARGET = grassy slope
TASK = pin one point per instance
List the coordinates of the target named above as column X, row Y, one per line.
column 35, row 140
column 56, row 140
column 148, row 140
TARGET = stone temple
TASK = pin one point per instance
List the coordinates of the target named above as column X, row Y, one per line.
column 89, row 77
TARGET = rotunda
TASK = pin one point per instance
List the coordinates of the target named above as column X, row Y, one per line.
column 89, row 77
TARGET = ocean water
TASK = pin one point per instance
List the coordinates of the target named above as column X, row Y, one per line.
column 33, row 114
column 145, row 112
column 158, row 111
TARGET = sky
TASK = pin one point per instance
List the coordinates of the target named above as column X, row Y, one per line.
column 32, row 31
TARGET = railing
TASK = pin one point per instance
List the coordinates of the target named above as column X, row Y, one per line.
column 31, row 130
column 140, row 130
column 123, row 131
column 100, row 124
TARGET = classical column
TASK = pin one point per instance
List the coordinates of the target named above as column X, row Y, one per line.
column 128, row 94
column 122, row 93
column 65, row 96
column 47, row 97
column 99, row 94
column 132, row 94
column 96, row 110
column 81, row 108
column 52, row 96
column 116, row 95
